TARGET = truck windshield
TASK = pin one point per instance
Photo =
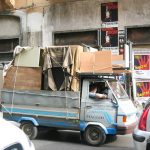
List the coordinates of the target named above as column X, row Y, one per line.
column 118, row 90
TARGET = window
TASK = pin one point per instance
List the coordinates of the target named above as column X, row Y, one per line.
column 118, row 90
column 16, row 146
column 138, row 34
column 90, row 38
column 6, row 48
column 10, row 33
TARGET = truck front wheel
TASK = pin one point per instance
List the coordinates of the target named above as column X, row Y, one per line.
column 29, row 129
column 94, row 135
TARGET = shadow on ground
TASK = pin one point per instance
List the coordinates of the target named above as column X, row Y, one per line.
column 66, row 136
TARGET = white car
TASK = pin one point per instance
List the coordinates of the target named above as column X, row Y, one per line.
column 13, row 138
column 141, row 134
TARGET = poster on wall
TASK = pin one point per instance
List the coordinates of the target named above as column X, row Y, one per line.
column 109, row 39
column 142, row 66
column 109, row 14
column 143, row 88
column 141, row 62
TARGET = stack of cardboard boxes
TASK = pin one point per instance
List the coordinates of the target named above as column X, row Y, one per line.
column 27, row 70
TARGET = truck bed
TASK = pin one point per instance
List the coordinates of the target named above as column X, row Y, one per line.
column 38, row 111
column 52, row 99
column 49, row 108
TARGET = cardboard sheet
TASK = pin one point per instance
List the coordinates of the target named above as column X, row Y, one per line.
column 96, row 62
column 23, row 78
column 117, row 61
column 28, row 58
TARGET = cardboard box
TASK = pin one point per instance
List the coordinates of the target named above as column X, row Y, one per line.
column 23, row 78
column 118, row 61
column 96, row 62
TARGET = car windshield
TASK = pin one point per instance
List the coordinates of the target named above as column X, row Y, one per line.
column 118, row 90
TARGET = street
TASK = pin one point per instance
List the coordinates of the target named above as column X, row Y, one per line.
column 70, row 140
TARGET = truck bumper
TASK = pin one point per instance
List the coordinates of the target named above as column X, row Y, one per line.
column 126, row 129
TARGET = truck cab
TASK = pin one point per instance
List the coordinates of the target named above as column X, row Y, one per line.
column 113, row 115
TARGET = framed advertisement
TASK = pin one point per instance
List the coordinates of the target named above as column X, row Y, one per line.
column 109, row 14
column 143, row 88
column 109, row 39
column 141, row 73
column 141, row 63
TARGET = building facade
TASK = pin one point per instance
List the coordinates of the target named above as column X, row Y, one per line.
column 48, row 22
column 35, row 22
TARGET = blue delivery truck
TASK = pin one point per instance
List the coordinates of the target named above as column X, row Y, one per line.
column 94, row 118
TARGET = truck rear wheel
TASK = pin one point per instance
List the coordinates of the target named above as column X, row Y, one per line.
column 94, row 135
column 29, row 129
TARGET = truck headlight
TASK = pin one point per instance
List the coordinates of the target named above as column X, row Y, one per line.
column 124, row 119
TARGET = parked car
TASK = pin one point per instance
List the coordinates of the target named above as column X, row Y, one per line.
column 141, row 134
column 13, row 138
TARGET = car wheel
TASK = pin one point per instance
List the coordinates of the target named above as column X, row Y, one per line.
column 29, row 129
column 94, row 135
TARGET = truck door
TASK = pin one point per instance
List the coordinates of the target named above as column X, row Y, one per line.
column 100, row 110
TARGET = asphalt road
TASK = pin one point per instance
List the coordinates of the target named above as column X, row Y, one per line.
column 68, row 140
